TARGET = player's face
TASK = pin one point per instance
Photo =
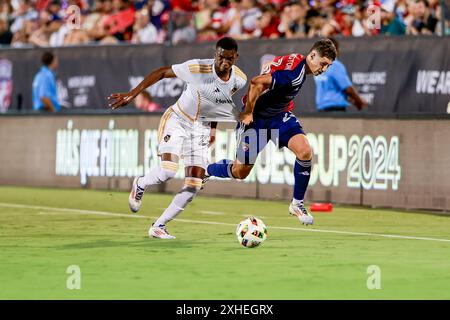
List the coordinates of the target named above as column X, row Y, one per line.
column 225, row 59
column 318, row 64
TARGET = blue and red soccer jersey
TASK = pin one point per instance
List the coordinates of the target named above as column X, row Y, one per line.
column 288, row 75
column 272, row 116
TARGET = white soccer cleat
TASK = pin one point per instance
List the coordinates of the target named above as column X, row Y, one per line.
column 302, row 213
column 159, row 232
column 135, row 198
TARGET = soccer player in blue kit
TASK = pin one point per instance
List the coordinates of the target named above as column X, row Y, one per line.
column 267, row 116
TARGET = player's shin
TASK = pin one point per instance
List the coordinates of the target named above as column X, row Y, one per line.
column 221, row 169
column 180, row 201
column 302, row 173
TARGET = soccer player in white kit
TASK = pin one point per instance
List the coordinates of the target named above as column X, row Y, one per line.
column 188, row 127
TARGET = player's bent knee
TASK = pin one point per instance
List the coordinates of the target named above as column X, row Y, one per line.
column 191, row 187
column 305, row 153
column 240, row 175
column 240, row 171
column 169, row 170
column 300, row 146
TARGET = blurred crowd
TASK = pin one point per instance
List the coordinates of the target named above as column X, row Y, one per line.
column 74, row 22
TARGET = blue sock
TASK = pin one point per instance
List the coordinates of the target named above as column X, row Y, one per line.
column 221, row 169
column 302, row 172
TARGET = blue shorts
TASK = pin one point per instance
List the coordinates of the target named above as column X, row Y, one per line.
column 252, row 139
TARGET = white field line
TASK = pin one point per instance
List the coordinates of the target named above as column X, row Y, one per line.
column 216, row 213
column 113, row 214
column 250, row 215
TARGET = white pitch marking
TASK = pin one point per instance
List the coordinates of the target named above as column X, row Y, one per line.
column 249, row 215
column 113, row 214
column 78, row 211
column 212, row 212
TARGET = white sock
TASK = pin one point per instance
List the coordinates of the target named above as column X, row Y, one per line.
column 180, row 201
column 297, row 203
column 160, row 174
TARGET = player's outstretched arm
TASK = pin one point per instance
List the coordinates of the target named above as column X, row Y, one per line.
column 117, row 100
column 257, row 86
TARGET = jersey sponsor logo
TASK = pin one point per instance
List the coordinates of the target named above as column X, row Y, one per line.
column 290, row 61
column 223, row 100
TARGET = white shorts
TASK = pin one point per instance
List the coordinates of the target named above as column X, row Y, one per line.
column 188, row 140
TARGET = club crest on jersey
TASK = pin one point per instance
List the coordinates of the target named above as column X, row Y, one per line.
column 234, row 90
column 167, row 138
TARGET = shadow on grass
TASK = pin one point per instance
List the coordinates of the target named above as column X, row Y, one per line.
column 145, row 243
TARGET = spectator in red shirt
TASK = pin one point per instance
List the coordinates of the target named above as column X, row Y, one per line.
column 145, row 102
column 210, row 20
column 267, row 23
column 183, row 5
column 120, row 23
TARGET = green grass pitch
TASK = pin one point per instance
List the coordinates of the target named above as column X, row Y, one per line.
column 43, row 231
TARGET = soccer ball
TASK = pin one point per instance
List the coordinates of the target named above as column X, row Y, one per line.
column 251, row 232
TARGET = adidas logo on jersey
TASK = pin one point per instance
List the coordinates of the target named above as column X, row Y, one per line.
column 217, row 90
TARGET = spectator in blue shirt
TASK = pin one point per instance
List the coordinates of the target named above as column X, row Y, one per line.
column 45, row 95
column 334, row 90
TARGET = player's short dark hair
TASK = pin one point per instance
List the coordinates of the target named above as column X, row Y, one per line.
column 325, row 48
column 336, row 44
column 227, row 43
column 47, row 58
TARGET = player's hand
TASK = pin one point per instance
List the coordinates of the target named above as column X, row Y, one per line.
column 212, row 137
column 246, row 118
column 117, row 100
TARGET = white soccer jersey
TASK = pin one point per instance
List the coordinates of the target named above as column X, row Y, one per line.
column 206, row 97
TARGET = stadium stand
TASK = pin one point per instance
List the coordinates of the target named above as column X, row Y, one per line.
column 41, row 23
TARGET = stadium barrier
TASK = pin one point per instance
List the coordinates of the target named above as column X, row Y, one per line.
column 396, row 75
column 377, row 162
